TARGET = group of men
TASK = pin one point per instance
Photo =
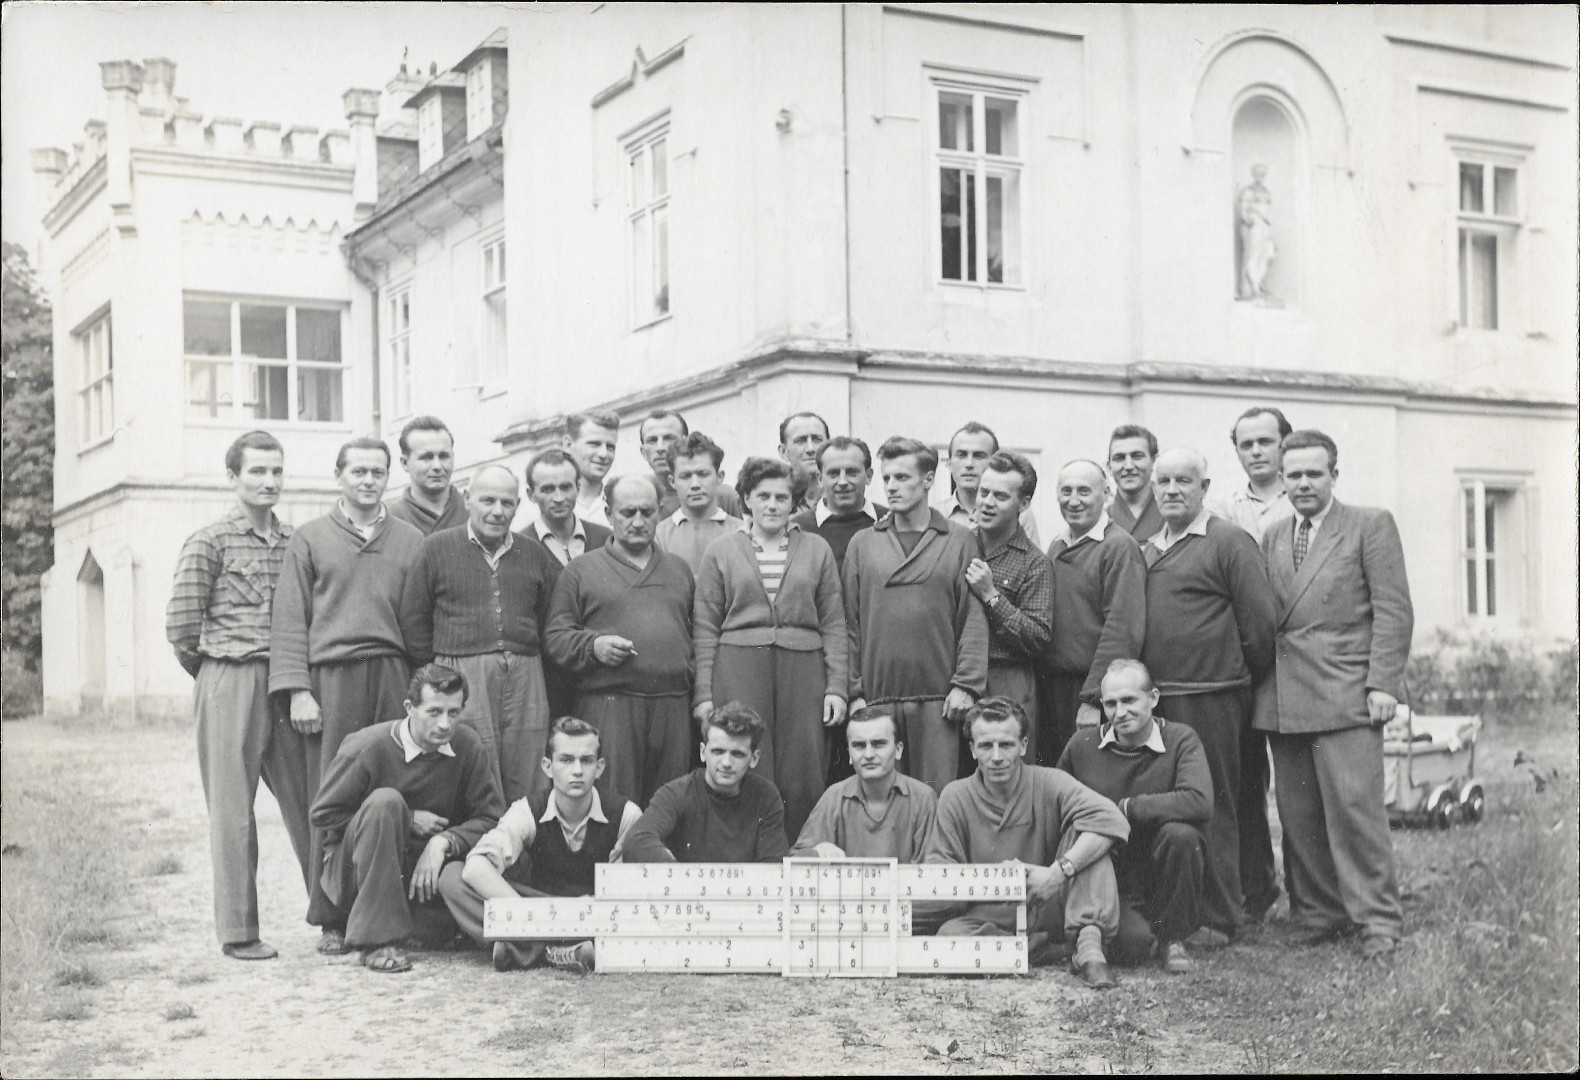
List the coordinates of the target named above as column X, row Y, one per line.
column 1101, row 711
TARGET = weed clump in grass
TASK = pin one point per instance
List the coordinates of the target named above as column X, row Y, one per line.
column 82, row 975
column 162, row 866
column 179, row 1010
column 70, row 1008
column 196, row 1031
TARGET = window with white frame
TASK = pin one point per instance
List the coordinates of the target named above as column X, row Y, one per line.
column 397, row 347
column 1488, row 221
column 430, row 131
column 479, row 98
column 648, row 211
column 495, row 351
column 261, row 360
column 96, row 398
column 1491, row 549
column 979, row 165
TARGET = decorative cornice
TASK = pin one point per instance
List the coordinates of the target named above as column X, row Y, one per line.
column 301, row 491
column 232, row 226
column 972, row 18
column 217, row 165
column 1483, row 93
column 82, row 192
column 1477, row 48
column 640, row 64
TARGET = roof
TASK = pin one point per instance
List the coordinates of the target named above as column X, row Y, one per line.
column 448, row 80
column 495, row 42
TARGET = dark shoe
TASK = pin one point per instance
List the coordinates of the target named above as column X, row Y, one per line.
column 1302, row 937
column 1095, row 974
column 386, row 958
column 1209, row 937
column 249, row 950
column 509, row 955
column 1378, row 946
column 333, row 943
column 1044, row 952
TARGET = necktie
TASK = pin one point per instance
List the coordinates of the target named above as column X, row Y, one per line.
column 1302, row 541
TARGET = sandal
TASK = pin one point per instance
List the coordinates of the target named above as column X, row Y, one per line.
column 386, row 958
column 333, row 943
column 249, row 950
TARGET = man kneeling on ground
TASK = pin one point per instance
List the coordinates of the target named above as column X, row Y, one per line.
column 1156, row 772
column 1008, row 811
column 722, row 812
column 525, row 855
column 386, row 808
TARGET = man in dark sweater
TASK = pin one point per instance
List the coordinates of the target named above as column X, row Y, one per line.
column 1099, row 604
column 400, row 800
column 476, row 601
column 335, row 643
column 918, row 638
column 845, row 466
column 1156, row 773
column 545, row 845
column 620, row 621
column 1132, row 450
column 722, row 812
column 1210, row 626
column 430, row 503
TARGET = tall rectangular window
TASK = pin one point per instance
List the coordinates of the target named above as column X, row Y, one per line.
column 1488, row 216
column 430, row 131
column 1491, row 549
column 96, row 396
column 648, row 213
column 495, row 353
column 397, row 347
column 479, row 98
column 978, row 158
column 260, row 360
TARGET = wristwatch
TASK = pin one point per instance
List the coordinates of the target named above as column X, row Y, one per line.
column 1065, row 866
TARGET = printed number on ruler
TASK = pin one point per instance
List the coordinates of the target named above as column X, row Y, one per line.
column 689, row 881
column 1004, row 882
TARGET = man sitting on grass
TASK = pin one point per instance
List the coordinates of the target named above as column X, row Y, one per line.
column 722, row 812
column 385, row 812
column 1157, row 774
column 545, row 845
column 878, row 813
column 1008, row 811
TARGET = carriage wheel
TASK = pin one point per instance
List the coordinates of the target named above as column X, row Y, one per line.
column 1475, row 805
column 1446, row 814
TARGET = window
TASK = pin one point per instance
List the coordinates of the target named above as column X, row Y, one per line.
column 397, row 337
column 262, row 361
column 1490, row 550
column 496, row 356
column 1488, row 222
column 649, row 216
column 979, row 168
column 430, row 131
column 479, row 98
column 96, row 399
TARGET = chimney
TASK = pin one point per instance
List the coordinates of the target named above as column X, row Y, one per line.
column 122, row 81
column 362, row 110
column 49, row 165
column 396, row 118
column 159, row 83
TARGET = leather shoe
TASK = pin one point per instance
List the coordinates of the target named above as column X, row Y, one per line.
column 1305, row 936
column 249, row 950
column 1095, row 974
column 1378, row 946
column 509, row 955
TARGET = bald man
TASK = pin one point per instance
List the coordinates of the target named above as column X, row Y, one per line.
column 620, row 623
column 1209, row 639
column 1099, row 605
column 477, row 601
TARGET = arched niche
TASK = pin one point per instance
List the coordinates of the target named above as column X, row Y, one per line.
column 1269, row 169
column 91, row 650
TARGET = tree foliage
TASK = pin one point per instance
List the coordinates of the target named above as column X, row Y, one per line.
column 28, row 427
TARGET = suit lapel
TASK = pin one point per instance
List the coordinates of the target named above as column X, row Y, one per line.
column 1322, row 546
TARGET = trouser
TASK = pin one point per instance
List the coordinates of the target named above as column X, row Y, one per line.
column 1061, row 701
column 1018, row 682
column 365, row 876
column 646, row 741
column 932, row 741
column 1258, row 871
column 785, row 688
column 508, row 707
column 1091, row 898
column 1339, row 862
column 1160, row 877
column 466, row 903
column 1221, row 719
column 350, row 696
column 239, row 742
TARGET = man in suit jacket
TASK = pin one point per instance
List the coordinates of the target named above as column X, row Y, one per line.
column 1344, row 624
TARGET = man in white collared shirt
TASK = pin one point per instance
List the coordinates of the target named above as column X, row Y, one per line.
column 563, row 834
column 969, row 451
column 1258, row 436
column 700, row 520
column 591, row 438
column 1099, row 600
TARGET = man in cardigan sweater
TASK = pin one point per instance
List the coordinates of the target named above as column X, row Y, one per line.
column 335, row 641
column 476, row 601
column 1132, row 450
column 1156, row 773
column 399, row 801
column 1209, row 640
column 918, row 637
column 620, row 621
column 1099, row 604
column 430, row 503
column 545, row 845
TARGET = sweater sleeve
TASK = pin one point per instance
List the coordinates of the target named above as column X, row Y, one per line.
column 291, row 618
column 1251, row 593
column 831, row 622
column 951, row 838
column 482, row 800
column 416, row 609
column 851, row 584
column 549, row 577
column 1393, row 616
column 346, row 784
column 196, row 568
column 568, row 642
column 971, row 628
column 822, row 824
column 1124, row 607
column 649, row 838
column 924, row 825
column 771, row 845
column 1083, row 810
column 1191, row 799
column 707, row 615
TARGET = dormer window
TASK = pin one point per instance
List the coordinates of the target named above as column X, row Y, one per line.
column 479, row 98
column 430, row 132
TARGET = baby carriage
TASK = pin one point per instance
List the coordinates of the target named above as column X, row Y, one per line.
column 1429, row 770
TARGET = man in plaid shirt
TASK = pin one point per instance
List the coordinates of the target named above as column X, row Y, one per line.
column 218, row 622
column 1014, row 581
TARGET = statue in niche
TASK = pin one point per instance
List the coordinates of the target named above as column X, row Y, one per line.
column 1253, row 209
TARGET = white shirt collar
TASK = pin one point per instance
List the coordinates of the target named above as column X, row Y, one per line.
column 365, row 530
column 1197, row 527
column 679, row 516
column 1154, row 741
column 1096, row 532
column 498, row 553
column 552, row 811
column 409, row 745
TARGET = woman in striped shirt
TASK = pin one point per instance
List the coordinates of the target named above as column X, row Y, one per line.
column 768, row 630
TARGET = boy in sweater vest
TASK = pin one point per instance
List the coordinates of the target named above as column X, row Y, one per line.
column 1156, row 773
column 545, row 845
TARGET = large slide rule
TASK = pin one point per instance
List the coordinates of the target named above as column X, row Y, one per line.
column 803, row 917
